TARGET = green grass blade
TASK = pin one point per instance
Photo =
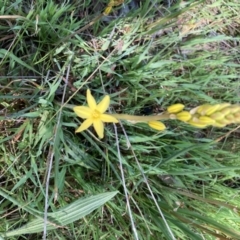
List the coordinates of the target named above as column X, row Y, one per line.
column 4, row 52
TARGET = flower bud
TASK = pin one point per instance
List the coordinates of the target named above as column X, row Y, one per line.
column 223, row 105
column 230, row 117
column 235, row 109
column 157, row 125
column 175, row 108
column 195, row 118
column 237, row 115
column 225, row 111
column 208, row 109
column 224, row 121
column 184, row 116
column 195, row 124
column 217, row 116
column 218, row 124
column 206, row 120
column 194, row 110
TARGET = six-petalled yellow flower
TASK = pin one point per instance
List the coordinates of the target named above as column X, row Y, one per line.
column 94, row 114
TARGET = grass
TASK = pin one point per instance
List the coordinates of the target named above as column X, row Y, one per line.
column 136, row 183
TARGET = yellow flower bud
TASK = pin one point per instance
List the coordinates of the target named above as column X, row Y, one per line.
column 157, row 125
column 225, row 111
column 194, row 110
column 217, row 116
column 107, row 10
column 235, row 109
column 223, row 105
column 195, row 118
column 212, row 109
column 195, row 124
column 200, row 109
column 224, row 121
column 175, row 108
column 237, row 115
column 218, row 124
column 206, row 120
column 208, row 109
column 230, row 117
column 184, row 116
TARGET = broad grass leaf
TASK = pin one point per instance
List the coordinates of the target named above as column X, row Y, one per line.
column 65, row 215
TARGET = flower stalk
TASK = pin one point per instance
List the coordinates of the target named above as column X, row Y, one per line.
column 217, row 115
column 135, row 118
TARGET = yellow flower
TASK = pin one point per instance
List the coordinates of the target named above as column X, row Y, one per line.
column 94, row 114
column 157, row 125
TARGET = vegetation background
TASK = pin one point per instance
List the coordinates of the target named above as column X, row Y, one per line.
column 182, row 183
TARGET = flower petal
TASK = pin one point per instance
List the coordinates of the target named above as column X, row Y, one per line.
column 86, row 124
column 83, row 112
column 99, row 128
column 108, row 118
column 104, row 104
column 91, row 101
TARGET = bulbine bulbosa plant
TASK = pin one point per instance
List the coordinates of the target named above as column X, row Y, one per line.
column 217, row 115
